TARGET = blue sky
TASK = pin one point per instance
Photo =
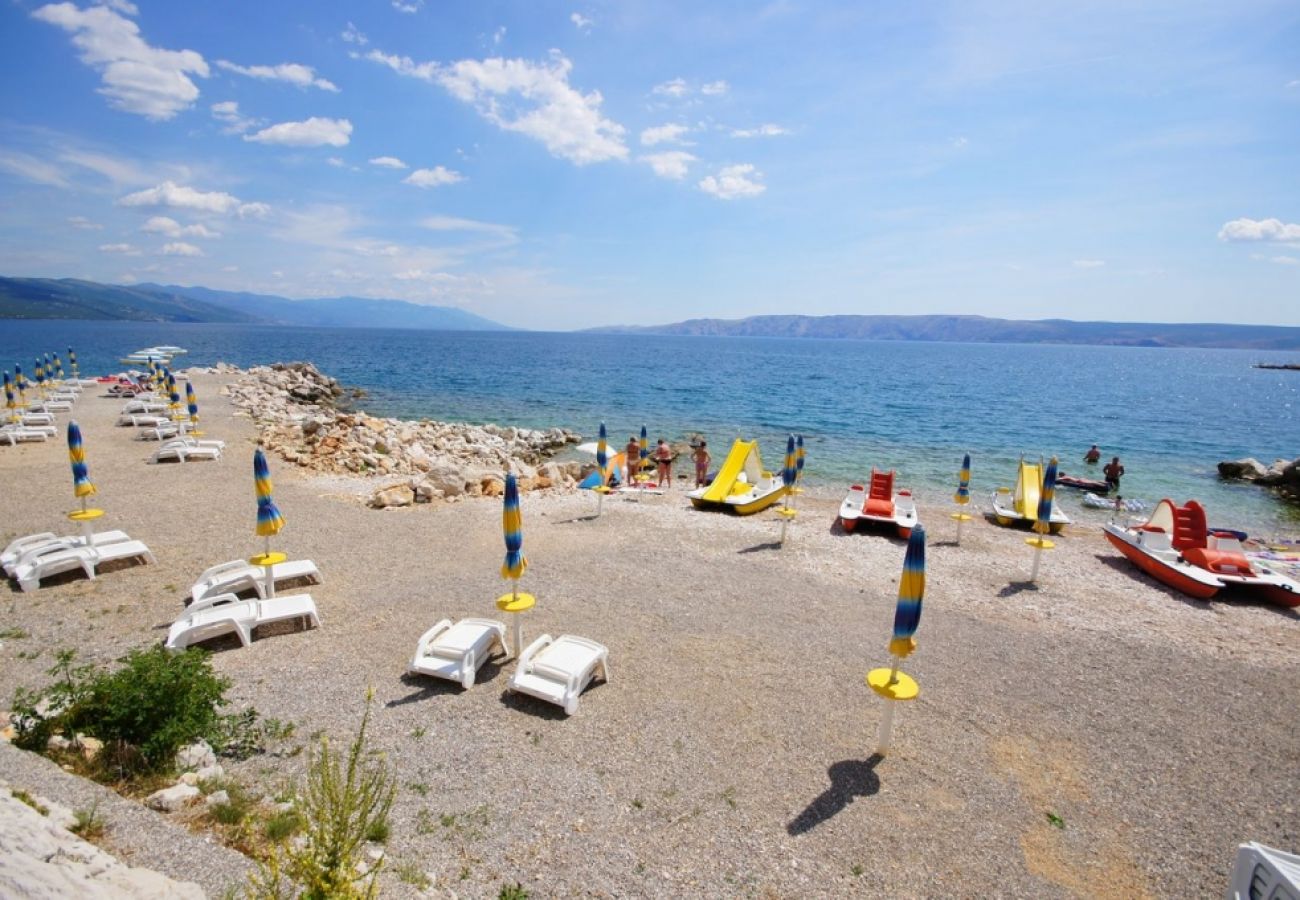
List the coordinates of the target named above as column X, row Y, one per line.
column 559, row 165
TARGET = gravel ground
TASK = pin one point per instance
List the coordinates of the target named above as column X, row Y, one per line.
column 731, row 753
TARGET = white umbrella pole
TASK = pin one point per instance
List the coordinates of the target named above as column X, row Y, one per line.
column 270, row 575
column 600, row 502
column 518, row 635
column 887, row 717
column 959, row 521
column 1038, row 552
column 785, row 522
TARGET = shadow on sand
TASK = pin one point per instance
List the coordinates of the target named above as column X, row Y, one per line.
column 850, row 779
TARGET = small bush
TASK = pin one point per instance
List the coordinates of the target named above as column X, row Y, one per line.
column 24, row 797
column 378, row 831
column 514, row 891
column 282, row 826
column 88, row 823
column 144, row 711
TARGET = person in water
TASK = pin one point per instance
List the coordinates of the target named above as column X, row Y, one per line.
column 702, row 459
column 633, row 453
column 1093, row 455
column 664, row 460
column 1113, row 472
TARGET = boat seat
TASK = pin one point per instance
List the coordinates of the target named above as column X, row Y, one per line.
column 882, row 485
column 884, row 508
column 1221, row 562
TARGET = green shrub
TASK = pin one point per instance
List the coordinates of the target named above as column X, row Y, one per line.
column 282, row 825
column 88, row 823
column 144, row 711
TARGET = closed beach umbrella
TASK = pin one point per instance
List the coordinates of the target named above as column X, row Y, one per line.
column 173, row 396
column 193, row 403
column 1044, row 522
column 39, row 375
column 891, row 684
column 72, row 361
column 21, row 383
column 962, row 497
column 82, row 486
column 269, row 520
column 644, row 444
column 58, row 365
column 512, row 524
column 790, row 470
column 602, row 451
column 799, row 455
column 10, row 403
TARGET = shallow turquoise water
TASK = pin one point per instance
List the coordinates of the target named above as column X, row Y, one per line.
column 916, row 407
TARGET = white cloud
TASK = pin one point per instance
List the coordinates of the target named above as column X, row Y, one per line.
column 180, row 248
column 84, row 224
column 1293, row 84
column 452, row 223
column 768, row 130
column 34, row 169
column 336, row 162
column 1089, row 263
column 677, row 87
column 137, row 78
column 1259, row 230
column 673, row 164
column 388, row 162
column 118, row 171
column 227, row 111
column 123, row 6
column 1285, row 260
column 293, row 73
column 714, row 88
column 314, row 132
column 959, row 143
column 435, row 177
column 499, row 35
column 253, row 210
column 734, row 181
column 408, row 6
column 177, row 196
column 663, row 134
column 352, row 36
column 124, row 249
column 169, row 227
column 581, row 22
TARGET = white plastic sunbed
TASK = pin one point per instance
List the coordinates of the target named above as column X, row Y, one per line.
column 37, row 419
column 180, row 451
column 559, row 670
column 26, row 547
column 141, row 405
column 236, row 576
column 455, row 652
column 142, row 421
column 17, row 434
column 227, row 614
column 164, row 432
column 51, row 406
column 30, row 575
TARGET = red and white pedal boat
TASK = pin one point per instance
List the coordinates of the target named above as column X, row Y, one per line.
column 1174, row 546
column 879, row 506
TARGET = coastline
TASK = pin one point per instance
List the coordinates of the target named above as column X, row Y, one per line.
column 731, row 749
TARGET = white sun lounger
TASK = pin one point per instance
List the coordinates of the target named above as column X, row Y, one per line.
column 17, row 434
column 180, row 451
column 37, row 419
column 455, row 652
column 142, row 421
column 52, row 406
column 140, row 405
column 228, row 614
column 164, row 432
column 236, row 576
column 26, row 547
column 30, row 575
column 559, row 670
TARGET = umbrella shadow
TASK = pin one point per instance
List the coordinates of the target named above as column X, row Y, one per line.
column 850, row 779
column 944, row 544
column 758, row 548
column 1017, row 587
column 429, row 686
column 591, row 518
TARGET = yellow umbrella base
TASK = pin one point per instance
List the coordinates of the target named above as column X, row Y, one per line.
column 601, row 489
column 515, row 603
column 961, row 517
column 1040, row 543
column 787, row 512
column 903, row 688
column 267, row 559
column 85, row 515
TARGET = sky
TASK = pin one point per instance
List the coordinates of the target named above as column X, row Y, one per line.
column 565, row 165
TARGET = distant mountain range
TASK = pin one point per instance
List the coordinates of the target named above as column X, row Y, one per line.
column 980, row 330
column 70, row 298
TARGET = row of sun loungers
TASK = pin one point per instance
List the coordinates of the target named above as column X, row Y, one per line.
column 32, row 559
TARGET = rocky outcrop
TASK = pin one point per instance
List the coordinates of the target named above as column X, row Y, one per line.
column 297, row 408
column 1283, row 475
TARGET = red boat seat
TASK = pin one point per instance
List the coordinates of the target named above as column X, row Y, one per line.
column 882, row 508
column 1221, row 562
column 1189, row 527
column 882, row 485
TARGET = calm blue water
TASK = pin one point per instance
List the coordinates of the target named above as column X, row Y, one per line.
column 1170, row 414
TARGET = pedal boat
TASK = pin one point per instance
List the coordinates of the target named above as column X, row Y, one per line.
column 880, row 506
column 1021, row 508
column 1175, row 547
column 741, row 486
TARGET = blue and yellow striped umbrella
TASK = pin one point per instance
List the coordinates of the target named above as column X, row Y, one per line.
column 10, row 403
column 790, row 470
column 72, row 361
column 911, row 590
column 58, row 366
column 962, row 497
column 82, row 486
column 512, row 524
column 602, row 451
column 799, row 456
column 644, row 444
column 20, row 382
column 1043, row 524
column 269, row 520
column 173, row 396
column 192, row 403
column 39, row 374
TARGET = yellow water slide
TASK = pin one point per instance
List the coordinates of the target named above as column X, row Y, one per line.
column 1028, row 484
column 732, row 466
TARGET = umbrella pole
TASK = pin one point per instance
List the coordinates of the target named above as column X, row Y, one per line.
column 1038, row 552
column 600, row 502
column 959, row 520
column 785, row 521
column 270, row 573
column 886, row 728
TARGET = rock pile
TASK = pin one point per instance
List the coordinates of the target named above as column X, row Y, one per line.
column 1283, row 475
column 297, row 407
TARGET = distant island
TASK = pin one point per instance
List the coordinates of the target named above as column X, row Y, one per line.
column 982, row 330
column 71, row 298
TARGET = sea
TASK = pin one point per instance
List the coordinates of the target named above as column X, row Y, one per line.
column 1170, row 414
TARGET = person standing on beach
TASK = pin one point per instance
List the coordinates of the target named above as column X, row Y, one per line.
column 1113, row 472
column 633, row 453
column 664, row 460
column 702, row 460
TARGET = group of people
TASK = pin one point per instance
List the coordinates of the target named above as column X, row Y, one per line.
column 662, row 458
column 1112, row 471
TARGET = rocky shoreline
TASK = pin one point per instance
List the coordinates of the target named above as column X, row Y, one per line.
column 301, row 414
column 1283, row 476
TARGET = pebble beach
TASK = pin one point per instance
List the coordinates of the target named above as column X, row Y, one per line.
column 1094, row 734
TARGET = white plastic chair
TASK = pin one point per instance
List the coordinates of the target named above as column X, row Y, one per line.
column 88, row 559
column 17, row 434
column 226, row 614
column 183, row 452
column 140, row 405
column 559, row 670
column 456, row 652
column 237, row 576
column 142, row 421
column 37, row 419
column 25, row 548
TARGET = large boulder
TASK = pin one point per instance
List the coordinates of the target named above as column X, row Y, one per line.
column 196, row 756
column 172, row 798
column 1249, row 468
column 397, row 495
